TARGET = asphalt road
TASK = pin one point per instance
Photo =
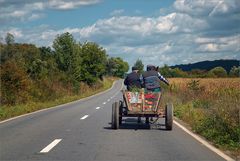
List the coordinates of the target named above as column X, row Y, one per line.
column 84, row 132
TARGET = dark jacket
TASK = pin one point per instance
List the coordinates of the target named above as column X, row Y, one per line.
column 132, row 81
column 152, row 78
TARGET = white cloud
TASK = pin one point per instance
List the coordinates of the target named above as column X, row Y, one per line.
column 194, row 31
column 35, row 16
column 70, row 4
column 137, row 29
column 207, row 7
column 17, row 33
column 22, row 10
column 222, row 44
column 117, row 12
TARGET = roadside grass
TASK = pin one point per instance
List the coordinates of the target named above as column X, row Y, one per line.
column 211, row 107
column 7, row 112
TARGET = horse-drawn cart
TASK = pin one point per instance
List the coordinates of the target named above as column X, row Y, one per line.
column 141, row 104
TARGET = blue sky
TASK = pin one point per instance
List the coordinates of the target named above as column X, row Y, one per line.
column 155, row 31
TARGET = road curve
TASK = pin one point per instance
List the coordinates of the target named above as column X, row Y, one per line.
column 81, row 131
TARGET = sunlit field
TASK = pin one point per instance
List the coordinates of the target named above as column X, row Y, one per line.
column 210, row 106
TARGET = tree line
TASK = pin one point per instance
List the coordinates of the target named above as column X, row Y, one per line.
column 36, row 73
column 217, row 72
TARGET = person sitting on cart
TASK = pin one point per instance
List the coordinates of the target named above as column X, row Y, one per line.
column 151, row 79
column 132, row 81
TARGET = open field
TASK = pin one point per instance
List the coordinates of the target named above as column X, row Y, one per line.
column 211, row 107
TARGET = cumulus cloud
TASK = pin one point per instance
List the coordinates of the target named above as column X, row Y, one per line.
column 206, row 7
column 129, row 28
column 70, row 4
column 12, row 11
column 193, row 31
column 117, row 12
column 223, row 44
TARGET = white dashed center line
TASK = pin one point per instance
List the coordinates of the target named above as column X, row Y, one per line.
column 104, row 103
column 84, row 117
column 50, row 146
column 108, row 100
column 98, row 108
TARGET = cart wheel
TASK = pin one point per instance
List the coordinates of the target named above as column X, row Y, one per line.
column 139, row 120
column 120, row 112
column 169, row 116
column 115, row 115
column 147, row 120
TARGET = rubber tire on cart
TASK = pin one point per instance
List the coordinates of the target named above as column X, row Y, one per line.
column 120, row 112
column 115, row 115
column 169, row 116
column 147, row 120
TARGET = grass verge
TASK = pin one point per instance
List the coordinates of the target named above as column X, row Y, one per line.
column 7, row 112
column 211, row 108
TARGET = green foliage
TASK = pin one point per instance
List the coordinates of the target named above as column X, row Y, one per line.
column 66, row 52
column 36, row 74
column 235, row 72
column 139, row 65
column 117, row 67
column 176, row 72
column 9, row 39
column 38, row 69
column 218, row 72
column 46, row 53
column 30, row 106
column 94, row 59
column 15, row 84
column 165, row 71
column 197, row 73
column 168, row 72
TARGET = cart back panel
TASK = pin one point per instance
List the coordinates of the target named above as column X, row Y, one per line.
column 139, row 102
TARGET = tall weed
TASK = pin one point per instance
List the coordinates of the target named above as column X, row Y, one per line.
column 210, row 106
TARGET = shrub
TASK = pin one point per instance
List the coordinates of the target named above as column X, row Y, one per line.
column 14, row 84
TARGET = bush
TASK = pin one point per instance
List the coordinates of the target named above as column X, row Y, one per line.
column 210, row 107
column 14, row 84
column 218, row 72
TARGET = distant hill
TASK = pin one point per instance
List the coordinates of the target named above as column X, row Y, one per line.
column 208, row 65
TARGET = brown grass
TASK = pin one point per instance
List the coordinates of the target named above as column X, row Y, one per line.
column 211, row 106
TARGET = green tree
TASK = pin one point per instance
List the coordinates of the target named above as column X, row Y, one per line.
column 117, row 67
column 122, row 67
column 46, row 53
column 7, row 51
column 139, row 65
column 176, row 72
column 94, row 59
column 235, row 72
column 9, row 39
column 197, row 73
column 217, row 72
column 111, row 66
column 64, row 46
column 68, row 55
column 165, row 71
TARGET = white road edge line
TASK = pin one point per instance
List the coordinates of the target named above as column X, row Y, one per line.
column 98, row 108
column 84, row 117
column 50, row 146
column 209, row 146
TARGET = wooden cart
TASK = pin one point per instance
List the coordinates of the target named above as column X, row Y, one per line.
column 141, row 104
